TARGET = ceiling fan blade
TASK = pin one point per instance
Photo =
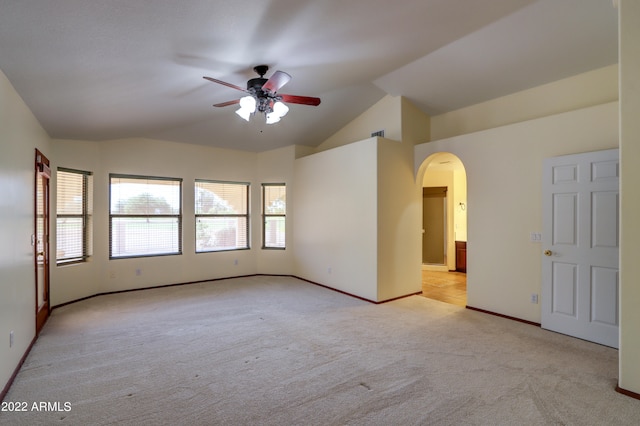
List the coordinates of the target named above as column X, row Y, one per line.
column 224, row 83
column 304, row 100
column 224, row 104
column 276, row 81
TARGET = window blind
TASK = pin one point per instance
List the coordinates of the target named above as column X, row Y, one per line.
column 74, row 192
column 145, row 216
column 222, row 215
column 274, row 209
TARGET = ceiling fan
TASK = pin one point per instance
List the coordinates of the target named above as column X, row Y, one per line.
column 262, row 95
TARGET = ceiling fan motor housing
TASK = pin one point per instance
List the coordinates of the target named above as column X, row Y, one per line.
column 264, row 99
column 255, row 84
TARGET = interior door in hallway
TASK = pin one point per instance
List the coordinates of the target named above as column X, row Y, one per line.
column 434, row 224
column 41, row 238
column 580, row 251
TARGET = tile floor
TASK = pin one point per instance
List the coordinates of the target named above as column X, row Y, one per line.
column 449, row 287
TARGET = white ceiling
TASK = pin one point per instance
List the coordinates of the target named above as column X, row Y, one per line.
column 98, row 70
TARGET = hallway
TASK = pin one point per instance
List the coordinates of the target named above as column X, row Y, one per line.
column 448, row 287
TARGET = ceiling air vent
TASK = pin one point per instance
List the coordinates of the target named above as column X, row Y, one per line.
column 379, row 133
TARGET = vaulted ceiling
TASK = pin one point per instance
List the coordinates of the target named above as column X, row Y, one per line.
column 100, row 70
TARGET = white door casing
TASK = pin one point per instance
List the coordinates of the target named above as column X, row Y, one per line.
column 581, row 246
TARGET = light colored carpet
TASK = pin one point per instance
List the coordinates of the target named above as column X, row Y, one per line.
column 280, row 351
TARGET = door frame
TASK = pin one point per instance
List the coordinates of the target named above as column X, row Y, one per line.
column 42, row 169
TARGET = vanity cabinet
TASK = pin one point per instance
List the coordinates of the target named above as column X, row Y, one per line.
column 461, row 256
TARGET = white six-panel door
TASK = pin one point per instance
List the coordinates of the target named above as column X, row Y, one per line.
column 580, row 246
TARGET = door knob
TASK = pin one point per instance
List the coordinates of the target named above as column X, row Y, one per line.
column 548, row 252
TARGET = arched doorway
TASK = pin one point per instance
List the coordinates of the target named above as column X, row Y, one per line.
column 444, row 228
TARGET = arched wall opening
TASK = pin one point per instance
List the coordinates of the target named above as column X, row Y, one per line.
column 445, row 170
column 443, row 181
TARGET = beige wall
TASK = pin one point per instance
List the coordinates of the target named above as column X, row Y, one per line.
column 357, row 219
column 504, row 172
column 630, row 195
column 397, row 116
column 385, row 115
column 460, row 204
column 20, row 135
column 398, row 207
column 591, row 88
column 399, row 211
column 189, row 162
column 416, row 125
column 501, row 143
column 84, row 279
column 276, row 166
column 335, row 223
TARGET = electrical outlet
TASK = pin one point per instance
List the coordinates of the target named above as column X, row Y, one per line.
column 235, row 262
column 329, row 270
column 11, row 339
column 534, row 298
column 138, row 271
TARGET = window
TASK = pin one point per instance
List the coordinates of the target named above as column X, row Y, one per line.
column 145, row 216
column 222, row 215
column 274, row 209
column 73, row 216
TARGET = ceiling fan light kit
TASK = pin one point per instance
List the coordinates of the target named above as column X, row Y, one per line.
column 247, row 107
column 262, row 96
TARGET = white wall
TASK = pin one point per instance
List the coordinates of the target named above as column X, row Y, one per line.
column 167, row 159
column 335, row 223
column 504, row 200
column 20, row 135
column 629, row 13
